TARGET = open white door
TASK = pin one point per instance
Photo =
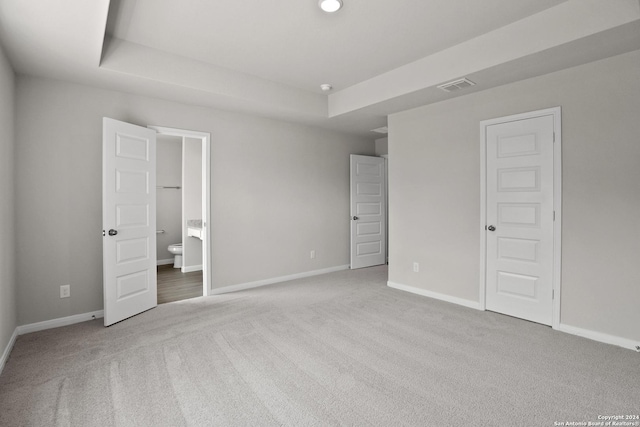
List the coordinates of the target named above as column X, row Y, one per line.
column 367, row 211
column 128, row 220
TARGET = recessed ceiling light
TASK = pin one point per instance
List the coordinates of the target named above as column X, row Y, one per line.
column 326, row 87
column 330, row 6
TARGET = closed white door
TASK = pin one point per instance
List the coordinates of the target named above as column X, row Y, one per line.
column 128, row 220
column 367, row 211
column 520, row 216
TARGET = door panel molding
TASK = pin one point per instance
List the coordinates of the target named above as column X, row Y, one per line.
column 128, row 212
column 508, row 148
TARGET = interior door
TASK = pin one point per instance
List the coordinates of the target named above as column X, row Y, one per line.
column 367, row 211
column 128, row 220
column 520, row 215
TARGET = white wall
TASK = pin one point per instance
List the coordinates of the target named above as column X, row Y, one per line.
column 8, row 316
column 168, row 200
column 435, row 190
column 192, row 199
column 278, row 191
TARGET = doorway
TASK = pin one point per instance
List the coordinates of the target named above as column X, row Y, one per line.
column 178, row 210
column 181, row 282
column 521, row 215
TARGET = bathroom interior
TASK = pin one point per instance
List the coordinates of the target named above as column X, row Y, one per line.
column 179, row 218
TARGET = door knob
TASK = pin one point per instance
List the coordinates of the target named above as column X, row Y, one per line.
column 355, row 218
column 491, row 228
column 113, row 232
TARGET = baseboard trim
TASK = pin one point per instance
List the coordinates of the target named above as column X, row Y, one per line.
column 256, row 284
column 62, row 321
column 435, row 295
column 584, row 333
column 599, row 336
column 8, row 348
column 164, row 261
column 191, row 268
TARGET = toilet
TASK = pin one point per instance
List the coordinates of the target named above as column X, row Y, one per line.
column 176, row 249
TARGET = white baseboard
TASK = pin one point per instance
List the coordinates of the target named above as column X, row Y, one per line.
column 47, row 324
column 62, row 321
column 164, row 261
column 7, row 350
column 191, row 268
column 249, row 285
column 599, row 336
column 585, row 333
column 436, row 295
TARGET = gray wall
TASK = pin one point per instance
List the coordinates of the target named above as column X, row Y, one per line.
column 168, row 200
column 278, row 191
column 382, row 146
column 8, row 316
column 435, row 190
column 192, row 199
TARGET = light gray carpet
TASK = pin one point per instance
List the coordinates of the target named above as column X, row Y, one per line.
column 339, row 349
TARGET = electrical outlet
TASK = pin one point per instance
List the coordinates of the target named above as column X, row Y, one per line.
column 312, row 254
column 65, row 291
column 416, row 267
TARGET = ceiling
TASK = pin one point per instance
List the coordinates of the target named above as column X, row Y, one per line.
column 270, row 58
column 296, row 44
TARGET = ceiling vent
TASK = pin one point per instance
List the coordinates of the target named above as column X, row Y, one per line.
column 383, row 129
column 456, row 85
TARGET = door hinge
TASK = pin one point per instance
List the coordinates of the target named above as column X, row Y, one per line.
column 553, row 294
column 554, row 215
column 554, row 137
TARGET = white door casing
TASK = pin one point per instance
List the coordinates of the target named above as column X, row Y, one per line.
column 521, row 210
column 367, row 211
column 128, row 220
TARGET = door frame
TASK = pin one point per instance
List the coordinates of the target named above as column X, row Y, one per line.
column 557, row 203
column 386, row 204
column 205, row 137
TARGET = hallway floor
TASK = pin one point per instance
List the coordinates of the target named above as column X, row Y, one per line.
column 173, row 285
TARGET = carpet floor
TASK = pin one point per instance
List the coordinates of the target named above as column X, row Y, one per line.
column 338, row 349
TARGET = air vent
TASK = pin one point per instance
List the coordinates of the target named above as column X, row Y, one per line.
column 383, row 129
column 456, row 85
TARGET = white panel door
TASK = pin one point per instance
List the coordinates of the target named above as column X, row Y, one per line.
column 367, row 211
column 519, row 234
column 128, row 220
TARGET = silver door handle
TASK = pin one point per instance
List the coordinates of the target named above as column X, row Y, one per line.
column 491, row 228
column 355, row 218
column 113, row 232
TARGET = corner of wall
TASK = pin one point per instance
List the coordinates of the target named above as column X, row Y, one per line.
column 8, row 280
column 382, row 146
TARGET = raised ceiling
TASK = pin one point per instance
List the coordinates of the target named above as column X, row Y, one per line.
column 294, row 43
column 269, row 58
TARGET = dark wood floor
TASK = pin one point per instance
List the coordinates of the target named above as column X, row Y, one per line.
column 173, row 285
